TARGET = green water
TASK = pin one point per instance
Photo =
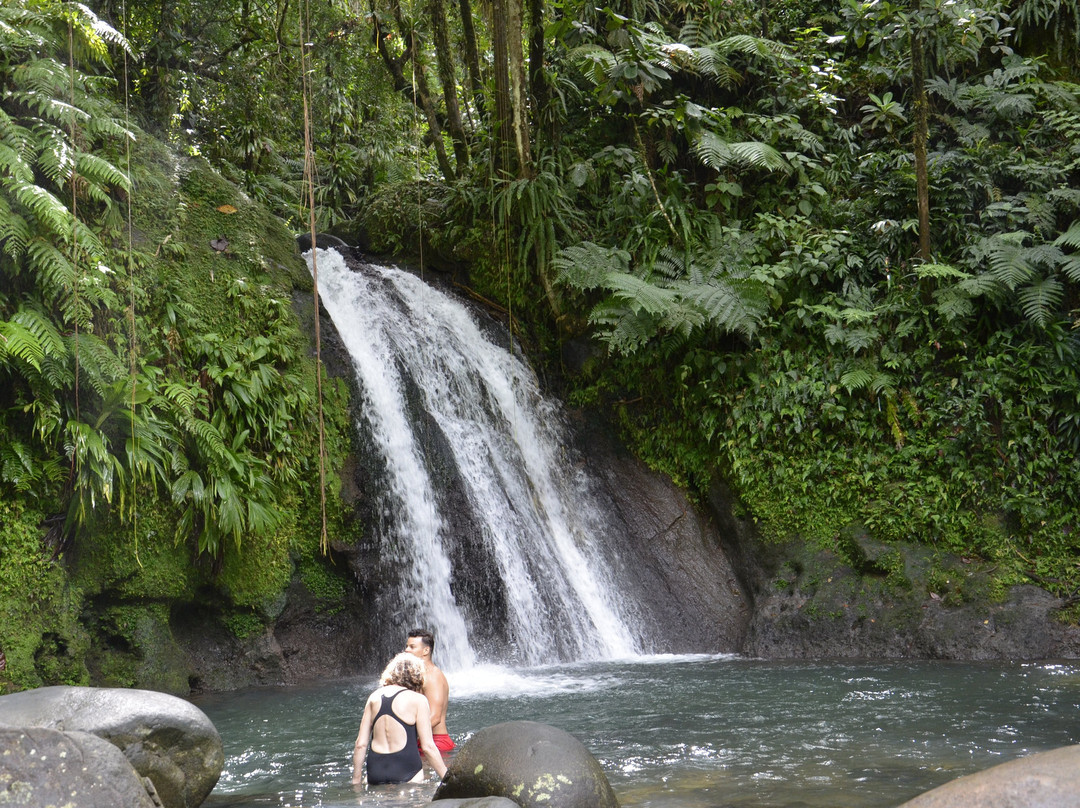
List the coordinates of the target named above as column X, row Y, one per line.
column 683, row 731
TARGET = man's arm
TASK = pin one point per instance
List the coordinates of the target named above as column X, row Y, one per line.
column 427, row 745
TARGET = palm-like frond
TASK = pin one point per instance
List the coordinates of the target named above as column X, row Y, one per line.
column 720, row 154
column 16, row 342
column 1039, row 299
column 1010, row 263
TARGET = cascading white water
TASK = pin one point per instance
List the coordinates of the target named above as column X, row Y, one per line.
column 535, row 514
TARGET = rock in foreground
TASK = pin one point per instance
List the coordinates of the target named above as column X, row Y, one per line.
column 43, row 767
column 1044, row 780
column 166, row 739
column 535, row 765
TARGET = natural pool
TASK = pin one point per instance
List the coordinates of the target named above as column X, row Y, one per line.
column 683, row 731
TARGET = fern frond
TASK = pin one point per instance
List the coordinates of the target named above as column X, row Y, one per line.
column 586, row 265
column 207, row 437
column 869, row 378
column 56, row 158
column 97, row 361
column 625, row 331
column 639, row 294
column 1009, row 264
column 98, row 32
column 44, row 330
column 51, row 108
column 1071, row 237
column 718, row 154
column 1070, row 265
column 13, row 164
column 953, row 303
column 856, row 379
column 733, row 306
column 1039, row 300
column 708, row 61
column 751, row 46
column 188, row 398
column 48, row 210
column 940, row 271
column 14, row 231
column 18, row 343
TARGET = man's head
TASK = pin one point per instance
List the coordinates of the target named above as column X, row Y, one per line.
column 420, row 643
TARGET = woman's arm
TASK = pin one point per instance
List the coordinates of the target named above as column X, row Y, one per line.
column 427, row 743
column 360, row 747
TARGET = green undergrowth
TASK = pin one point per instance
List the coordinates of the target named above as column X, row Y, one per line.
column 226, row 503
column 968, row 459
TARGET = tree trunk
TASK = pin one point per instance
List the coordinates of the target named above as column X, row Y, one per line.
column 538, row 86
column 440, row 33
column 518, row 97
column 416, row 90
column 921, row 106
column 472, row 53
column 500, row 56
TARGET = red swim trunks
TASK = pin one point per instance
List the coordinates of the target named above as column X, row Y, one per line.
column 444, row 742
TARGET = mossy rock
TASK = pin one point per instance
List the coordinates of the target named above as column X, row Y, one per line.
column 41, row 637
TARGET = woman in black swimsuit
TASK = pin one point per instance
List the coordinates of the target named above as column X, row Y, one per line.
column 396, row 716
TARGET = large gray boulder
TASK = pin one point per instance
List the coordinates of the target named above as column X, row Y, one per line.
column 534, row 765
column 166, row 739
column 1043, row 780
column 44, row 767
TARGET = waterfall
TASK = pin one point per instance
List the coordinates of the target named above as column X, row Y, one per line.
column 482, row 512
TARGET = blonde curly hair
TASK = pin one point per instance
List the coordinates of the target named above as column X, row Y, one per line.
column 404, row 670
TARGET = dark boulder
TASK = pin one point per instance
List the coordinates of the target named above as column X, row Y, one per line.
column 476, row 802
column 534, row 765
column 43, row 767
column 1044, row 780
column 323, row 241
column 165, row 738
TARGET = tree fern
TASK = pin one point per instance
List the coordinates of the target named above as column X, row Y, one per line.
column 672, row 294
column 720, row 154
column 1040, row 299
column 45, row 98
column 18, row 343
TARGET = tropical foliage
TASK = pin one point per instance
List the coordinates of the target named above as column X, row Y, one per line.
column 828, row 253
column 98, row 402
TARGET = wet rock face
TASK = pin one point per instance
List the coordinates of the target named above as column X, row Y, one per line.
column 1044, row 780
column 164, row 738
column 74, row 769
column 679, row 567
column 534, row 765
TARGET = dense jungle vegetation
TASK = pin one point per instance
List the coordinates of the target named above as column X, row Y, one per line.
column 824, row 251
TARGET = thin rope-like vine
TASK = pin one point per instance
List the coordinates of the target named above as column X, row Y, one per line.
column 74, row 233
column 309, row 187
column 132, row 336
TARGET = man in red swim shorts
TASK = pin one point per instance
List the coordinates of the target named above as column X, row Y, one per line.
column 421, row 643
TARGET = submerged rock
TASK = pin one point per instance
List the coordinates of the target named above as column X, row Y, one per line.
column 166, row 739
column 1043, row 780
column 534, row 765
column 45, row 767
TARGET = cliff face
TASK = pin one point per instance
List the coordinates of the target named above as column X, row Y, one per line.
column 865, row 599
